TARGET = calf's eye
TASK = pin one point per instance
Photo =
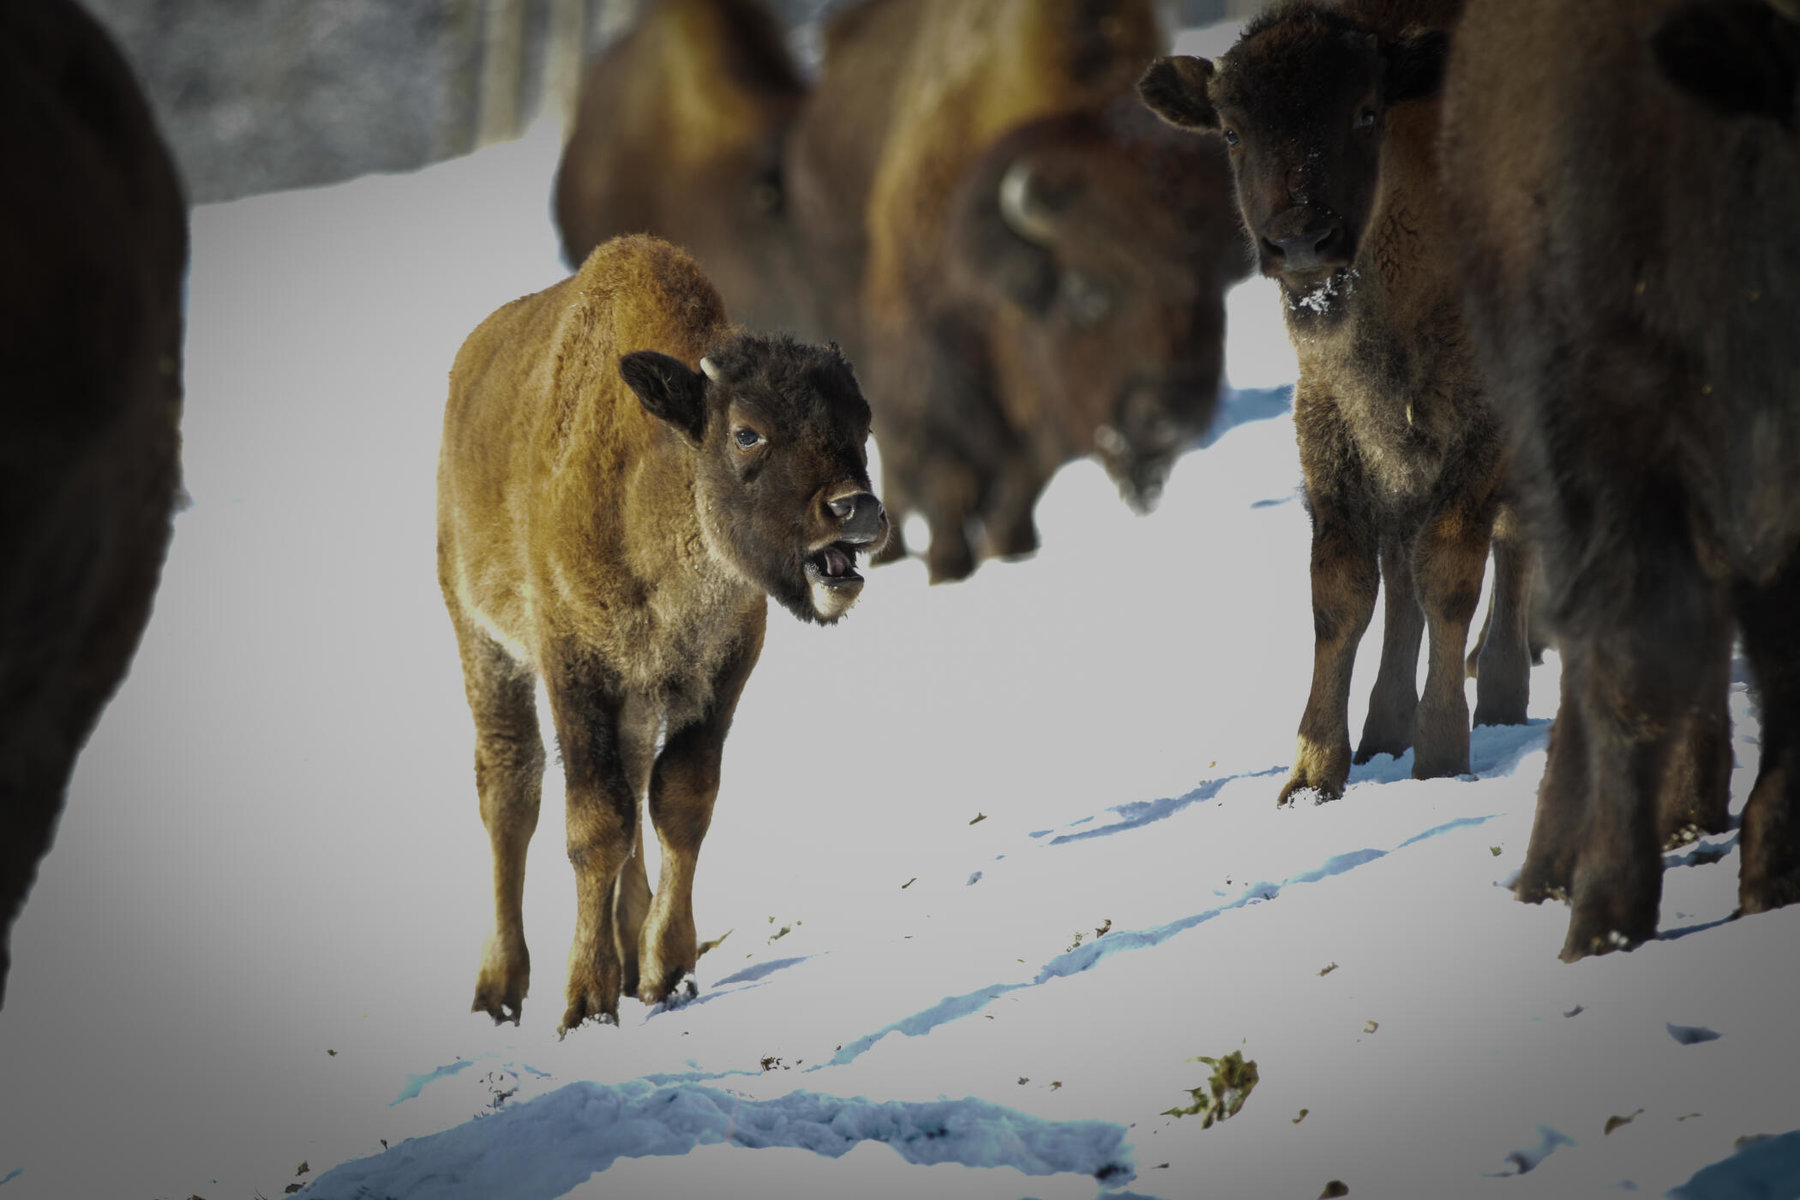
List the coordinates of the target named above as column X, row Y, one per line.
column 1365, row 120
column 746, row 438
column 1231, row 136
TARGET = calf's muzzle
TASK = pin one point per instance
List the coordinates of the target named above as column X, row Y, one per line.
column 861, row 515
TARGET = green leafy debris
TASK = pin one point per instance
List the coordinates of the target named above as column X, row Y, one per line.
column 1224, row 1094
column 1615, row 1122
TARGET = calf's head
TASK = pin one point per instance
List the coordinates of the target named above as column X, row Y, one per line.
column 779, row 431
column 1102, row 246
column 1302, row 101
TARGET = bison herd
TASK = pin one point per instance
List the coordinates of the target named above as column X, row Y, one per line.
column 1539, row 260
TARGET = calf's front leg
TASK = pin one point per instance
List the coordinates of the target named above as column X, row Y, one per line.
column 602, row 827
column 683, row 786
column 1345, row 578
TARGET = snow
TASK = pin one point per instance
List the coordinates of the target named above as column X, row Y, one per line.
column 253, row 945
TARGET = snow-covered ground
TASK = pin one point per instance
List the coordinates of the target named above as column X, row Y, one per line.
column 248, row 960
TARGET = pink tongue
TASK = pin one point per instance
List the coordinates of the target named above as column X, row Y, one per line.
column 835, row 561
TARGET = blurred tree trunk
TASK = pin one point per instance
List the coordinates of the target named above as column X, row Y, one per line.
column 502, row 68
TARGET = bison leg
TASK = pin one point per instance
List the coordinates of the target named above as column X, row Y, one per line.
column 1448, row 562
column 1557, row 826
column 683, row 786
column 1643, row 663
column 1394, row 701
column 631, row 904
column 602, row 825
column 1010, row 527
column 1503, row 669
column 1770, row 877
column 949, row 496
column 509, row 774
column 1695, row 797
column 1345, row 578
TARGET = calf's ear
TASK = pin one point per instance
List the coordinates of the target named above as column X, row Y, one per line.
column 668, row 389
column 1415, row 65
column 1740, row 58
column 1174, row 88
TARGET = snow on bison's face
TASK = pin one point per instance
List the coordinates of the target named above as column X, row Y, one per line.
column 782, row 473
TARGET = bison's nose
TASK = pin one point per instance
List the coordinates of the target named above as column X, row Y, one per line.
column 861, row 514
column 1310, row 249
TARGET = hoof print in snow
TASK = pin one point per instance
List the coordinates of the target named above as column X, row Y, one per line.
column 1689, row 1035
column 1523, row 1161
column 1224, row 1094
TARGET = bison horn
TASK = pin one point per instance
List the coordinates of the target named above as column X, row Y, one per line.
column 710, row 369
column 1024, row 207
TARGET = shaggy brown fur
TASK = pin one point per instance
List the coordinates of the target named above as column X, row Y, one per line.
column 610, row 520
column 1332, row 116
column 1623, row 178
column 93, row 246
column 1001, row 339
column 678, row 133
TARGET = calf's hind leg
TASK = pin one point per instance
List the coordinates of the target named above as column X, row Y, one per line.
column 1503, row 657
column 509, row 778
column 1394, row 701
column 1448, row 563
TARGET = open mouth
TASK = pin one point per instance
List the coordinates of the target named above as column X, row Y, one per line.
column 834, row 566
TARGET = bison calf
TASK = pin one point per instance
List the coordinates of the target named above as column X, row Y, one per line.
column 93, row 246
column 1331, row 115
column 1624, row 180
column 624, row 477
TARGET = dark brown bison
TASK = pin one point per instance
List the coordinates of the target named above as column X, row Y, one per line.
column 1078, row 308
column 624, row 478
column 1331, row 113
column 1623, row 179
column 93, row 247
column 679, row 132
column 1036, row 270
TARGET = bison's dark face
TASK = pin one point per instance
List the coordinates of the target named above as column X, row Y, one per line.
column 1111, row 243
column 1302, row 100
column 782, row 471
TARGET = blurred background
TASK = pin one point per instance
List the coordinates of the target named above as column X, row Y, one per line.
column 261, row 95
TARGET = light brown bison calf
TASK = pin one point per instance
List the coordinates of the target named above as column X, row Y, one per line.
column 1331, row 112
column 1623, row 177
column 624, row 478
column 93, row 246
